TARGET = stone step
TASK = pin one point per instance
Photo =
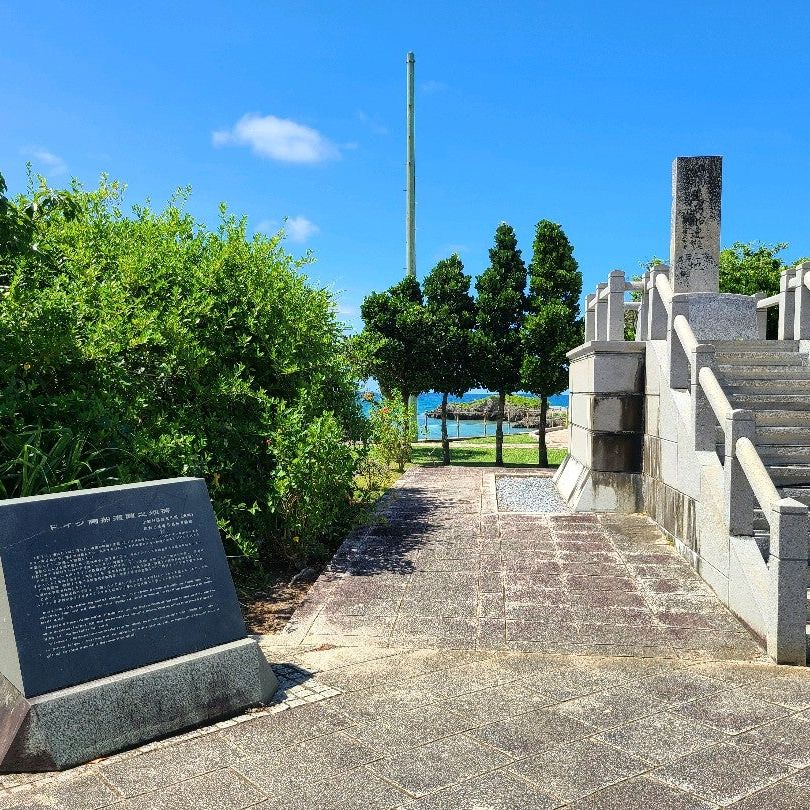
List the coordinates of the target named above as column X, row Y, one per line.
column 768, row 402
column 787, row 436
column 763, row 372
column 801, row 494
column 760, row 358
column 781, row 454
column 789, row 475
column 782, row 418
column 738, row 346
column 760, row 386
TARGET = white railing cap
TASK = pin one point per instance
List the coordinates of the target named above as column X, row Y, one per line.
column 790, row 506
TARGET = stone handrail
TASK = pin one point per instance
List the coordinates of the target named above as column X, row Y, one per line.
column 685, row 334
column 770, row 301
column 714, row 394
column 792, row 301
column 605, row 308
column 755, row 471
column 664, row 289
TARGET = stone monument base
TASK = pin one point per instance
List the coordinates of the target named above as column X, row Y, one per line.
column 75, row 725
column 720, row 316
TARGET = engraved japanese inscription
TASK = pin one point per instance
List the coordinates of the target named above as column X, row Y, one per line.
column 106, row 580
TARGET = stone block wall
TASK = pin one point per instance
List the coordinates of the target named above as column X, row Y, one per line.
column 601, row 472
column 670, row 469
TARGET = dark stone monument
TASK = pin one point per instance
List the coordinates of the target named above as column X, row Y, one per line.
column 119, row 623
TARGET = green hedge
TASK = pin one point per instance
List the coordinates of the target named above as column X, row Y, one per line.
column 162, row 348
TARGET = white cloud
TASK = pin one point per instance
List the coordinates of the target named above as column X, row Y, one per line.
column 348, row 310
column 54, row 165
column 299, row 228
column 278, row 139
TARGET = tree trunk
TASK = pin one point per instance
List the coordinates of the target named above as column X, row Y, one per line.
column 542, row 450
column 445, row 440
column 499, row 429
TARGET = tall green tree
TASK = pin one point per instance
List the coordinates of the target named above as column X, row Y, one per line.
column 553, row 325
column 451, row 311
column 395, row 342
column 501, row 299
column 749, row 268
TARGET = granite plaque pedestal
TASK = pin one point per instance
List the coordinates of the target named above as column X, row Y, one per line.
column 119, row 623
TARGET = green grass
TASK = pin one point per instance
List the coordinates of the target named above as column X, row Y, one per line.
column 508, row 438
column 483, row 455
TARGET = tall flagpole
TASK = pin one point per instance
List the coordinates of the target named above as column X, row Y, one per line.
column 410, row 200
column 410, row 188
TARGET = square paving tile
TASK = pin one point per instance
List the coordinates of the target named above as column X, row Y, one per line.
column 217, row 790
column 662, row 737
column 679, row 687
column 408, row 728
column 359, row 789
column 493, row 791
column 781, row 796
column 438, row 764
column 82, row 791
column 785, row 740
column 723, row 774
column 173, row 763
column 279, row 771
column 731, row 712
column 496, row 703
column 572, row 771
column 524, row 734
column 641, row 793
column 610, row 707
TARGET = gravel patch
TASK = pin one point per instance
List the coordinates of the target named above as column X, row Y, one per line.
column 528, row 494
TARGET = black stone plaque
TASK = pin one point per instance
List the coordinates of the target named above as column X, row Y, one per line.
column 106, row 580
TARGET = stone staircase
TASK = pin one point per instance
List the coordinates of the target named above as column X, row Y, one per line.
column 772, row 379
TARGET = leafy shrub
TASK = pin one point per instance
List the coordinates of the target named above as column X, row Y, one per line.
column 186, row 349
column 311, row 484
column 391, row 424
column 37, row 460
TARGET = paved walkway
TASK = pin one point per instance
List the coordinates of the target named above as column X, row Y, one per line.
column 444, row 568
column 455, row 656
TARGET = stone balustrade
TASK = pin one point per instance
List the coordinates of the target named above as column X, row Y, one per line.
column 681, row 315
column 793, row 303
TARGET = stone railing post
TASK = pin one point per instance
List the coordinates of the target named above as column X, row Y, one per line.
column 590, row 319
column 703, row 417
column 762, row 317
column 787, row 299
column 658, row 312
column 787, row 594
column 679, row 373
column 615, row 305
column 642, row 327
column 601, row 308
column 801, row 303
column 739, row 497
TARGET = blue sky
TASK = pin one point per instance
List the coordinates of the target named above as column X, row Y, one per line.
column 524, row 110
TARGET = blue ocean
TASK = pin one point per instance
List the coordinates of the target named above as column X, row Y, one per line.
column 432, row 428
